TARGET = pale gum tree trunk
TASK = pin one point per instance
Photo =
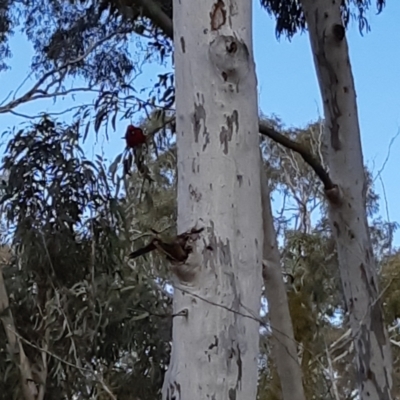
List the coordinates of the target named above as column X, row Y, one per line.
column 284, row 347
column 347, row 203
column 215, row 345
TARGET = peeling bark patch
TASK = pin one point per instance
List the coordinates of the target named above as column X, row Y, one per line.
column 233, row 121
column 351, row 305
column 183, row 46
column 206, row 138
column 368, row 255
column 225, row 257
column 232, row 394
column 364, row 274
column 239, row 365
column 336, row 226
column 225, row 136
column 335, row 138
column 365, row 363
column 174, row 391
column 194, row 194
column 233, row 8
column 377, row 324
column 330, row 99
column 215, row 344
column 212, row 242
column 218, row 15
column 198, row 116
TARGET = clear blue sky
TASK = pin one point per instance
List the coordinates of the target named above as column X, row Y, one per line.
column 288, row 88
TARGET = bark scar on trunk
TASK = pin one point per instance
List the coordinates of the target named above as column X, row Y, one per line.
column 322, row 58
column 198, row 119
column 230, row 57
column 218, row 15
column 333, row 105
column 226, row 133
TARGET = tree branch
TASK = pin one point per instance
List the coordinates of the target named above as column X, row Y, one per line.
column 267, row 130
column 154, row 12
column 41, row 89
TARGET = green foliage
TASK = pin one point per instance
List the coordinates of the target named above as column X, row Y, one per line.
column 390, row 287
column 290, row 17
column 102, row 320
column 6, row 25
column 65, row 31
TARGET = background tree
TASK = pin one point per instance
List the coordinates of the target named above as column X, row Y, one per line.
column 326, row 23
column 85, row 317
column 309, row 258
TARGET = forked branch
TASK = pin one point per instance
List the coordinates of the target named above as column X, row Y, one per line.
column 49, row 84
column 307, row 156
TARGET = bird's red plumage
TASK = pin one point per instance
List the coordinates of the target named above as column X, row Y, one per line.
column 134, row 137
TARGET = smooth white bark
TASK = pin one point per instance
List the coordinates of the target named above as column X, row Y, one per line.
column 284, row 347
column 216, row 345
column 347, row 211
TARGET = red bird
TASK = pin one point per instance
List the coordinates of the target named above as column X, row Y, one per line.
column 134, row 137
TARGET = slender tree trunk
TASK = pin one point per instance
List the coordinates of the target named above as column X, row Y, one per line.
column 28, row 387
column 347, row 202
column 284, row 347
column 217, row 294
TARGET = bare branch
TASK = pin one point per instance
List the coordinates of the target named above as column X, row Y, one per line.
column 267, row 130
column 41, row 89
column 270, row 132
column 153, row 11
column 392, row 140
column 41, row 114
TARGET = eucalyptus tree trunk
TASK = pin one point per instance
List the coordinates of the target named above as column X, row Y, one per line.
column 347, row 202
column 215, row 338
column 284, row 347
